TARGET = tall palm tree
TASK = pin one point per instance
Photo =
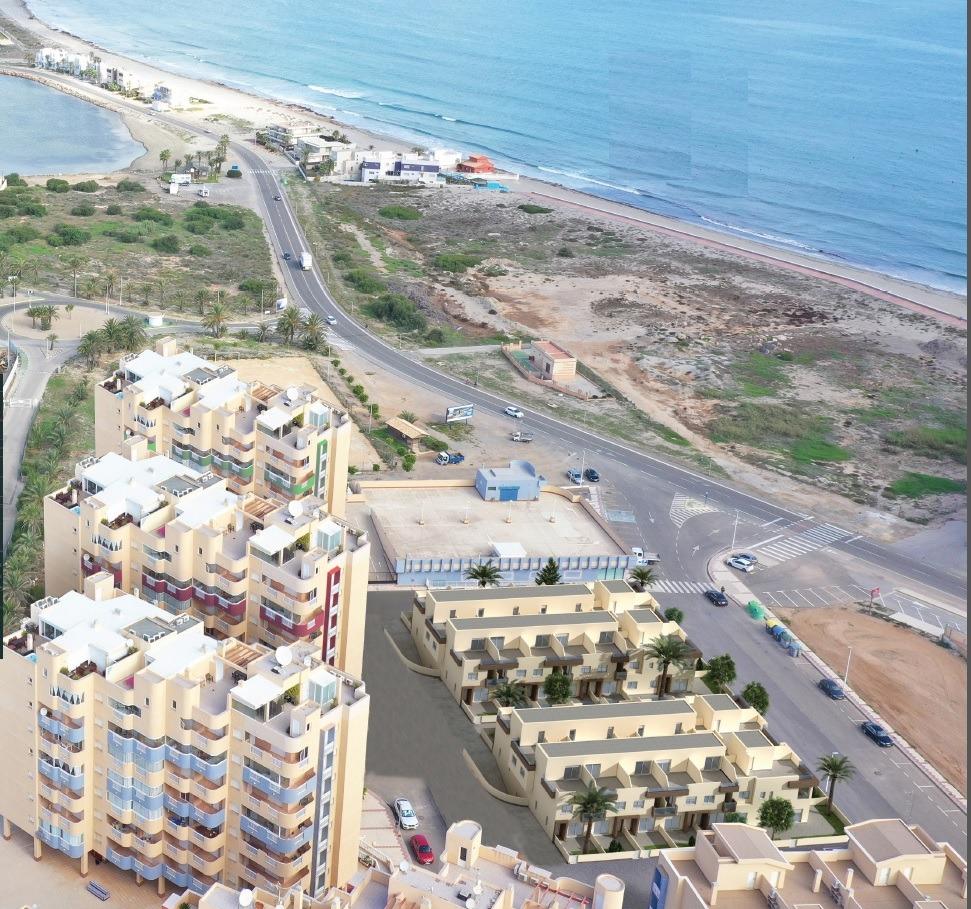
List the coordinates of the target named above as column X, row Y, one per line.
column 37, row 486
column 215, row 320
column 642, row 576
column 836, row 768
column 262, row 330
column 92, row 346
column 51, row 338
column 486, row 575
column 16, row 588
column 75, row 264
column 288, row 324
column 668, row 650
column 510, row 693
column 30, row 516
column 133, row 335
column 164, row 156
column 91, row 288
column 590, row 805
column 109, row 280
column 181, row 299
column 112, row 333
column 162, row 284
column 312, row 332
column 201, row 299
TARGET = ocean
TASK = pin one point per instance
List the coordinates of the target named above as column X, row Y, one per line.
column 47, row 132
column 832, row 129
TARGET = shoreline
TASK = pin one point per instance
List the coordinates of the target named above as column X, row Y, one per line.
column 237, row 104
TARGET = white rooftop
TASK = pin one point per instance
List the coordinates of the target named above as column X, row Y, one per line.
column 217, row 392
column 177, row 652
column 112, row 468
column 200, row 506
column 271, row 539
column 256, row 691
column 273, row 418
column 150, row 363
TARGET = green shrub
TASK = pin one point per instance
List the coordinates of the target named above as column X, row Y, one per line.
column 7, row 211
column 456, row 262
column 494, row 271
column 86, row 186
column 408, row 461
column 198, row 249
column 23, row 233
column 33, row 209
column 125, row 234
column 198, row 226
column 130, row 186
column 153, row 214
column 65, row 235
column 363, row 280
column 84, row 210
column 234, row 174
column 56, row 185
column 564, row 252
column 400, row 212
column 435, row 336
column 399, row 311
column 15, row 180
column 532, row 209
column 933, row 441
column 342, row 257
column 433, row 444
column 918, row 485
column 233, row 221
column 113, row 209
column 168, row 244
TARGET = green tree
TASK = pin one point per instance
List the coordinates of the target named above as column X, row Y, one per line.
column 721, row 672
column 667, row 650
column 75, row 264
column 757, row 697
column 51, row 338
column 673, row 614
column 216, row 318
column 162, row 284
column 92, row 346
column 201, row 298
column 17, row 583
column 776, row 815
column 590, row 805
column 734, row 817
column 312, row 332
column 485, row 575
column 113, row 334
column 558, row 687
column 510, row 694
column 133, row 334
column 164, row 155
column 549, row 573
column 289, row 324
column 837, row 768
column 642, row 576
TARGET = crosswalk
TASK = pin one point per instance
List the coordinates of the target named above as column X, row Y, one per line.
column 666, row 586
column 812, row 539
column 685, row 507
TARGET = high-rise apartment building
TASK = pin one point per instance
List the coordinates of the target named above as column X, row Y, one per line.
column 247, row 567
column 134, row 736
column 280, row 443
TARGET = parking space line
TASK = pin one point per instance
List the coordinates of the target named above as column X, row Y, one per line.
column 802, row 596
column 814, row 593
column 789, row 598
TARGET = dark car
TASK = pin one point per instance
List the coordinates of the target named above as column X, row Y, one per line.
column 876, row 733
column 286, row 257
column 832, row 689
column 717, row 597
column 421, row 848
column 278, row 198
column 591, row 475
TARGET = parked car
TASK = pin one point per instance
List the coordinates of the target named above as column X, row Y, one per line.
column 644, row 558
column 746, row 557
column 286, row 257
column 832, row 689
column 514, row 412
column 716, row 597
column 739, row 564
column 422, row 849
column 449, row 457
column 876, row 733
column 591, row 475
column 573, row 475
column 330, row 320
column 521, row 437
column 405, row 814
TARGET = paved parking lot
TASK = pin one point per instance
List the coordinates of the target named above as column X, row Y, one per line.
column 415, row 740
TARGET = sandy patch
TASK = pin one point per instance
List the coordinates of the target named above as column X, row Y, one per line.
column 920, row 688
column 71, row 324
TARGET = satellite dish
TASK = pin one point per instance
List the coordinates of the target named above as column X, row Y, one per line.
column 295, row 508
column 404, row 866
column 293, row 393
column 284, row 655
column 43, row 711
column 245, row 898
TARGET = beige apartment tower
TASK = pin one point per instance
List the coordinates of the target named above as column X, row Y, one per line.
column 134, row 736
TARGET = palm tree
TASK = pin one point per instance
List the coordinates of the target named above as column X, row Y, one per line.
column 487, row 574
column 510, row 694
column 16, row 587
column 108, row 281
column 51, row 338
column 312, row 332
column 112, row 333
column 642, row 576
column 836, row 768
column 262, row 330
column 181, row 299
column 590, row 805
column 75, row 264
column 92, row 288
column 30, row 516
column 669, row 650
column 92, row 346
column 162, row 284
column 133, row 334
column 178, row 163
column 164, row 156
column 288, row 324
column 215, row 320
column 37, row 486
column 201, row 299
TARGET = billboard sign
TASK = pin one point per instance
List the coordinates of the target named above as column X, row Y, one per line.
column 459, row 412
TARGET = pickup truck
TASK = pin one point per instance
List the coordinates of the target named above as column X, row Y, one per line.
column 522, row 437
column 449, row 457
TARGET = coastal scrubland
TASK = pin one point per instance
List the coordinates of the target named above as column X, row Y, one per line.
column 706, row 355
column 120, row 239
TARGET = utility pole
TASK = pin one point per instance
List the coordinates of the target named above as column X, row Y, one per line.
column 849, row 656
column 735, row 530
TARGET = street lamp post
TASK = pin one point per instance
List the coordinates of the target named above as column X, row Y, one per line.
column 849, row 656
column 734, row 530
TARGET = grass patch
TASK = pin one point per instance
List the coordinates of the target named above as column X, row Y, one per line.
column 932, row 441
column 400, row 213
column 918, row 485
column 818, row 450
column 457, row 432
column 759, row 375
column 456, row 262
column 532, row 209
column 831, row 818
column 402, row 266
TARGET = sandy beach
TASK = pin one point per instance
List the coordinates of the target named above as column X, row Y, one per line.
column 237, row 113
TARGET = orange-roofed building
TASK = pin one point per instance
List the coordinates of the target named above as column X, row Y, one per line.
column 477, row 164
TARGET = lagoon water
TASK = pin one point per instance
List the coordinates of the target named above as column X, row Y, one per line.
column 835, row 129
column 43, row 131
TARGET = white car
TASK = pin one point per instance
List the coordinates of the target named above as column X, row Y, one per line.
column 740, row 564
column 330, row 320
column 405, row 814
column 514, row 412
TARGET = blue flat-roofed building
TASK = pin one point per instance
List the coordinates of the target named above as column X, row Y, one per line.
column 519, row 482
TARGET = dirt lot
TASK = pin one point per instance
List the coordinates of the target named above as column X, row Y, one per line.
column 750, row 364
column 920, row 688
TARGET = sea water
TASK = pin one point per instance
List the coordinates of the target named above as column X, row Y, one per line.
column 833, row 129
column 44, row 131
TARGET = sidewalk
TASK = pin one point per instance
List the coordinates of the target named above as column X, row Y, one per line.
column 736, row 590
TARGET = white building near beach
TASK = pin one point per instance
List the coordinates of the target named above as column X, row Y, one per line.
column 61, row 61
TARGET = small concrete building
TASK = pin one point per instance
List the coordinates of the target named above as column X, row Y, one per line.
column 406, row 432
column 552, row 361
column 519, row 482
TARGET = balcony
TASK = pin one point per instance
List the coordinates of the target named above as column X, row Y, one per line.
column 664, row 811
column 62, row 727
column 67, row 845
column 74, row 782
column 729, row 805
column 276, row 842
column 282, row 793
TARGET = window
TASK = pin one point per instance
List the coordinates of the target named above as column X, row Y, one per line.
column 610, row 732
column 632, row 686
column 542, row 640
column 606, row 637
column 571, row 773
column 477, row 644
column 664, row 766
column 537, row 672
column 480, row 613
column 691, row 800
column 712, row 763
column 709, row 799
column 173, row 705
column 642, row 767
column 515, row 610
column 638, row 803
column 452, row 613
column 520, row 673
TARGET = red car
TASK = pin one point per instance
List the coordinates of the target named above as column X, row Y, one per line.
column 423, row 852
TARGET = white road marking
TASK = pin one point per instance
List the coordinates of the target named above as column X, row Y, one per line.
column 770, row 523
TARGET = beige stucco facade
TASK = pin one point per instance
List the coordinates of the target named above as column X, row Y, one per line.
column 553, row 362
column 248, row 567
column 139, row 738
column 278, row 443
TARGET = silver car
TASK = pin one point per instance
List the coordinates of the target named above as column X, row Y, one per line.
column 740, row 564
column 405, row 814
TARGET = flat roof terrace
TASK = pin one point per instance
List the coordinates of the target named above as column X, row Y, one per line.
column 553, row 525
